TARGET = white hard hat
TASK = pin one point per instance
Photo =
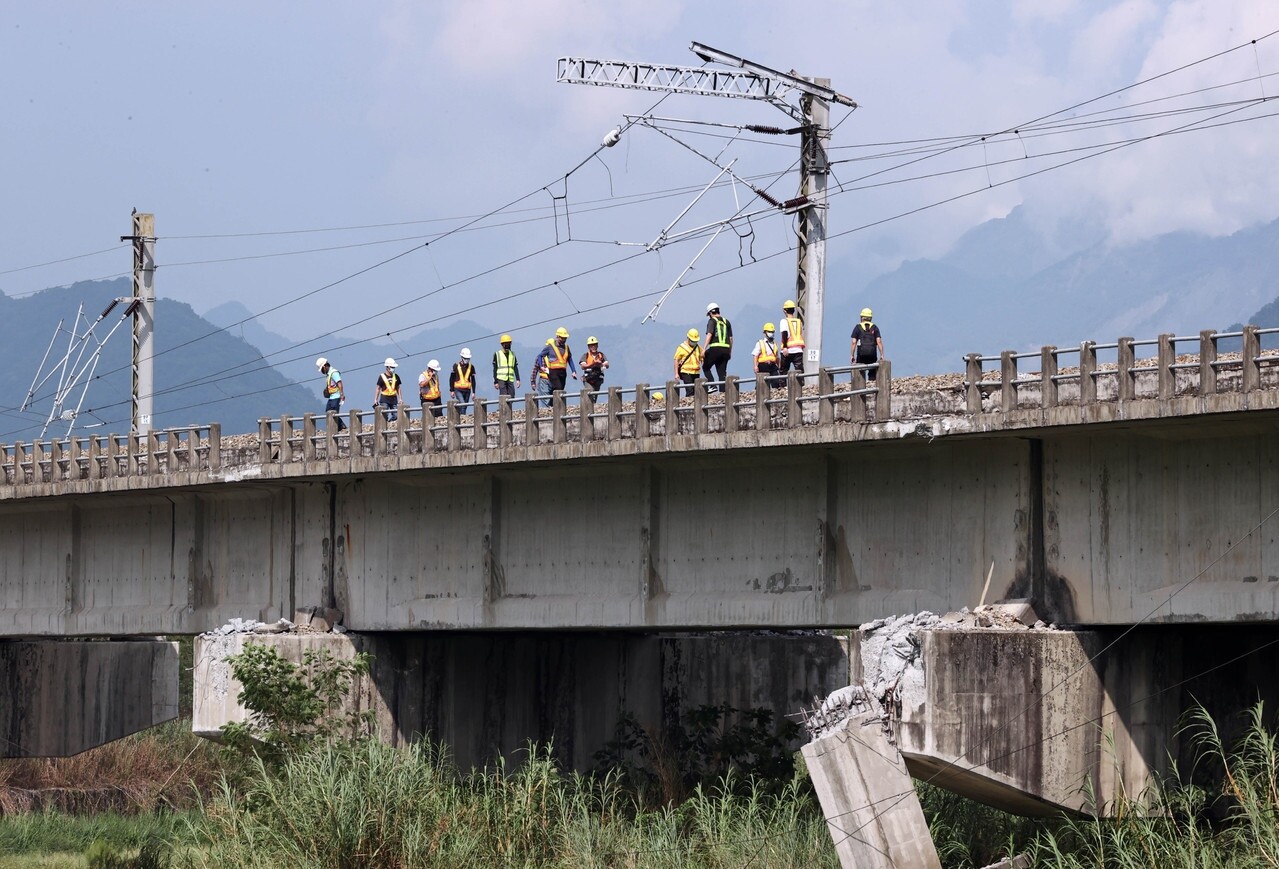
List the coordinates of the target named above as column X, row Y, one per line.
column 390, row 363
column 321, row 362
column 711, row 307
column 466, row 352
column 434, row 365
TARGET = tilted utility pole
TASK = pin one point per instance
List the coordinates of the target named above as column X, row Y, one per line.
column 754, row 82
column 142, row 307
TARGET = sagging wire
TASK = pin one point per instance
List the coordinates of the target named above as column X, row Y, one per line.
column 675, row 285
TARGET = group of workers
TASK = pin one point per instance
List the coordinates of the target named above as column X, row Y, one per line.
column 705, row 355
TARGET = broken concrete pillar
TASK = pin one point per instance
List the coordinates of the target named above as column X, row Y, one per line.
column 867, row 796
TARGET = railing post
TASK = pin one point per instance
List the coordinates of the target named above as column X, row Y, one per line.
column 1165, row 374
column 794, row 416
column 503, row 421
column 454, row 440
column 613, row 423
column 308, row 437
column 585, row 425
column 1207, row 356
column 531, row 435
column 672, row 409
column 134, row 446
column 480, row 432
column 55, row 461
column 884, row 398
column 171, row 441
column 763, row 412
column 402, row 420
column 153, row 452
column 858, row 405
column 972, row 388
column 699, row 406
column 112, row 468
column 1048, row 375
column 559, row 431
column 264, row 440
column 1251, row 367
column 330, row 442
column 1087, row 372
column 642, row 428
column 1126, row 359
column 732, row 394
column 76, row 449
column 215, row 446
column 95, row 451
column 379, row 432
column 1007, row 380
column 825, row 403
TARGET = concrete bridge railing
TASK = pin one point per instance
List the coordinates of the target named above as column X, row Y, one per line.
column 1141, row 369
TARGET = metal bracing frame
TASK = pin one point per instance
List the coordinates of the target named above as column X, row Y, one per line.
column 676, row 79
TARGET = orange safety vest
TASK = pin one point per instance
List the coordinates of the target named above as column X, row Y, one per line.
column 590, row 359
column 560, row 359
column 794, row 333
column 389, row 386
column 429, row 387
column 767, row 352
column 691, row 361
column 464, row 375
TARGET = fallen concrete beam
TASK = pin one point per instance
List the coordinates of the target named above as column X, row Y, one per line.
column 62, row 697
column 868, row 798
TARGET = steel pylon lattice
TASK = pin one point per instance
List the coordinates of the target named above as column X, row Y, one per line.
column 677, row 79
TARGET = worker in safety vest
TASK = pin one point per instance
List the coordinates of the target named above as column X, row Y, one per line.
column 792, row 339
column 334, row 392
column 506, row 369
column 719, row 346
column 462, row 380
column 558, row 360
column 765, row 356
column 593, row 364
column 387, row 392
column 542, row 377
column 688, row 360
column 868, row 344
column 428, row 388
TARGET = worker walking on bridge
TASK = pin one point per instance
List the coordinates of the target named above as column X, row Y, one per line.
column 462, row 380
column 387, row 392
column 506, row 369
column 765, row 356
column 792, row 339
column 428, row 388
column 541, row 376
column 593, row 364
column 719, row 346
column 688, row 360
column 334, row 393
column 868, row 344
column 558, row 361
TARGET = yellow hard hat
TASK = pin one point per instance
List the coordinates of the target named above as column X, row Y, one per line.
column 790, row 303
column 561, row 332
column 769, row 327
column 693, row 334
column 657, row 396
column 592, row 340
column 505, row 339
column 867, row 313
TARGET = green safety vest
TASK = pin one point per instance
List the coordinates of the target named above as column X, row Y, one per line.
column 721, row 334
column 505, row 360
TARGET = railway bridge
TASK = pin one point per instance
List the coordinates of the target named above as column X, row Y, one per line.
column 523, row 570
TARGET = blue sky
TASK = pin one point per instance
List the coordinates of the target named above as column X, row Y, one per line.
column 262, row 133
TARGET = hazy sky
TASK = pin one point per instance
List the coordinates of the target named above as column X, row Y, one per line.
column 253, row 130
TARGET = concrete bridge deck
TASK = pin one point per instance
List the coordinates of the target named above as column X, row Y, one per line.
column 1093, row 489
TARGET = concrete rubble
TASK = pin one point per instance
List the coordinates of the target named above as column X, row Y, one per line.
column 305, row 620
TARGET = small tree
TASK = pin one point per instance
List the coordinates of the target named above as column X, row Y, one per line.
column 292, row 706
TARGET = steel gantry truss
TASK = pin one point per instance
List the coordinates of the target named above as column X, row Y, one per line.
column 807, row 100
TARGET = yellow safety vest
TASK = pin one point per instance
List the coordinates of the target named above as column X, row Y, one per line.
column 560, row 359
column 505, row 360
column 332, row 384
column 794, row 333
column 689, row 358
column 389, row 386
column 765, row 352
column 464, row 375
column 429, row 388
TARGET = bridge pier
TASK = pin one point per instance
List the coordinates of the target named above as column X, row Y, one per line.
column 486, row 694
column 62, row 697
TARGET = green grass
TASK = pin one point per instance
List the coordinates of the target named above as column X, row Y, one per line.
column 53, row 832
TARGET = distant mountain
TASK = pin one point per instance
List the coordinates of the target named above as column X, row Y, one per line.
column 995, row 291
column 202, row 374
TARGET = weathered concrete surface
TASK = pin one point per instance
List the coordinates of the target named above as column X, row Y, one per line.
column 868, row 798
column 487, row 694
column 62, row 697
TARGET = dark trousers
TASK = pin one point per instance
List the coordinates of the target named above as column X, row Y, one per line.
column 594, row 383
column 769, row 370
column 792, row 359
column 717, row 359
column 334, row 406
column 434, row 405
column 687, row 378
column 389, row 404
column 869, row 372
column 558, row 377
column 506, row 387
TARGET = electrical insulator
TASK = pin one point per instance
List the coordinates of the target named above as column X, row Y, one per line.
column 614, row 136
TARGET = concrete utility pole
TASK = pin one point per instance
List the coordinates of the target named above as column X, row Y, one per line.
column 755, row 82
column 142, row 307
